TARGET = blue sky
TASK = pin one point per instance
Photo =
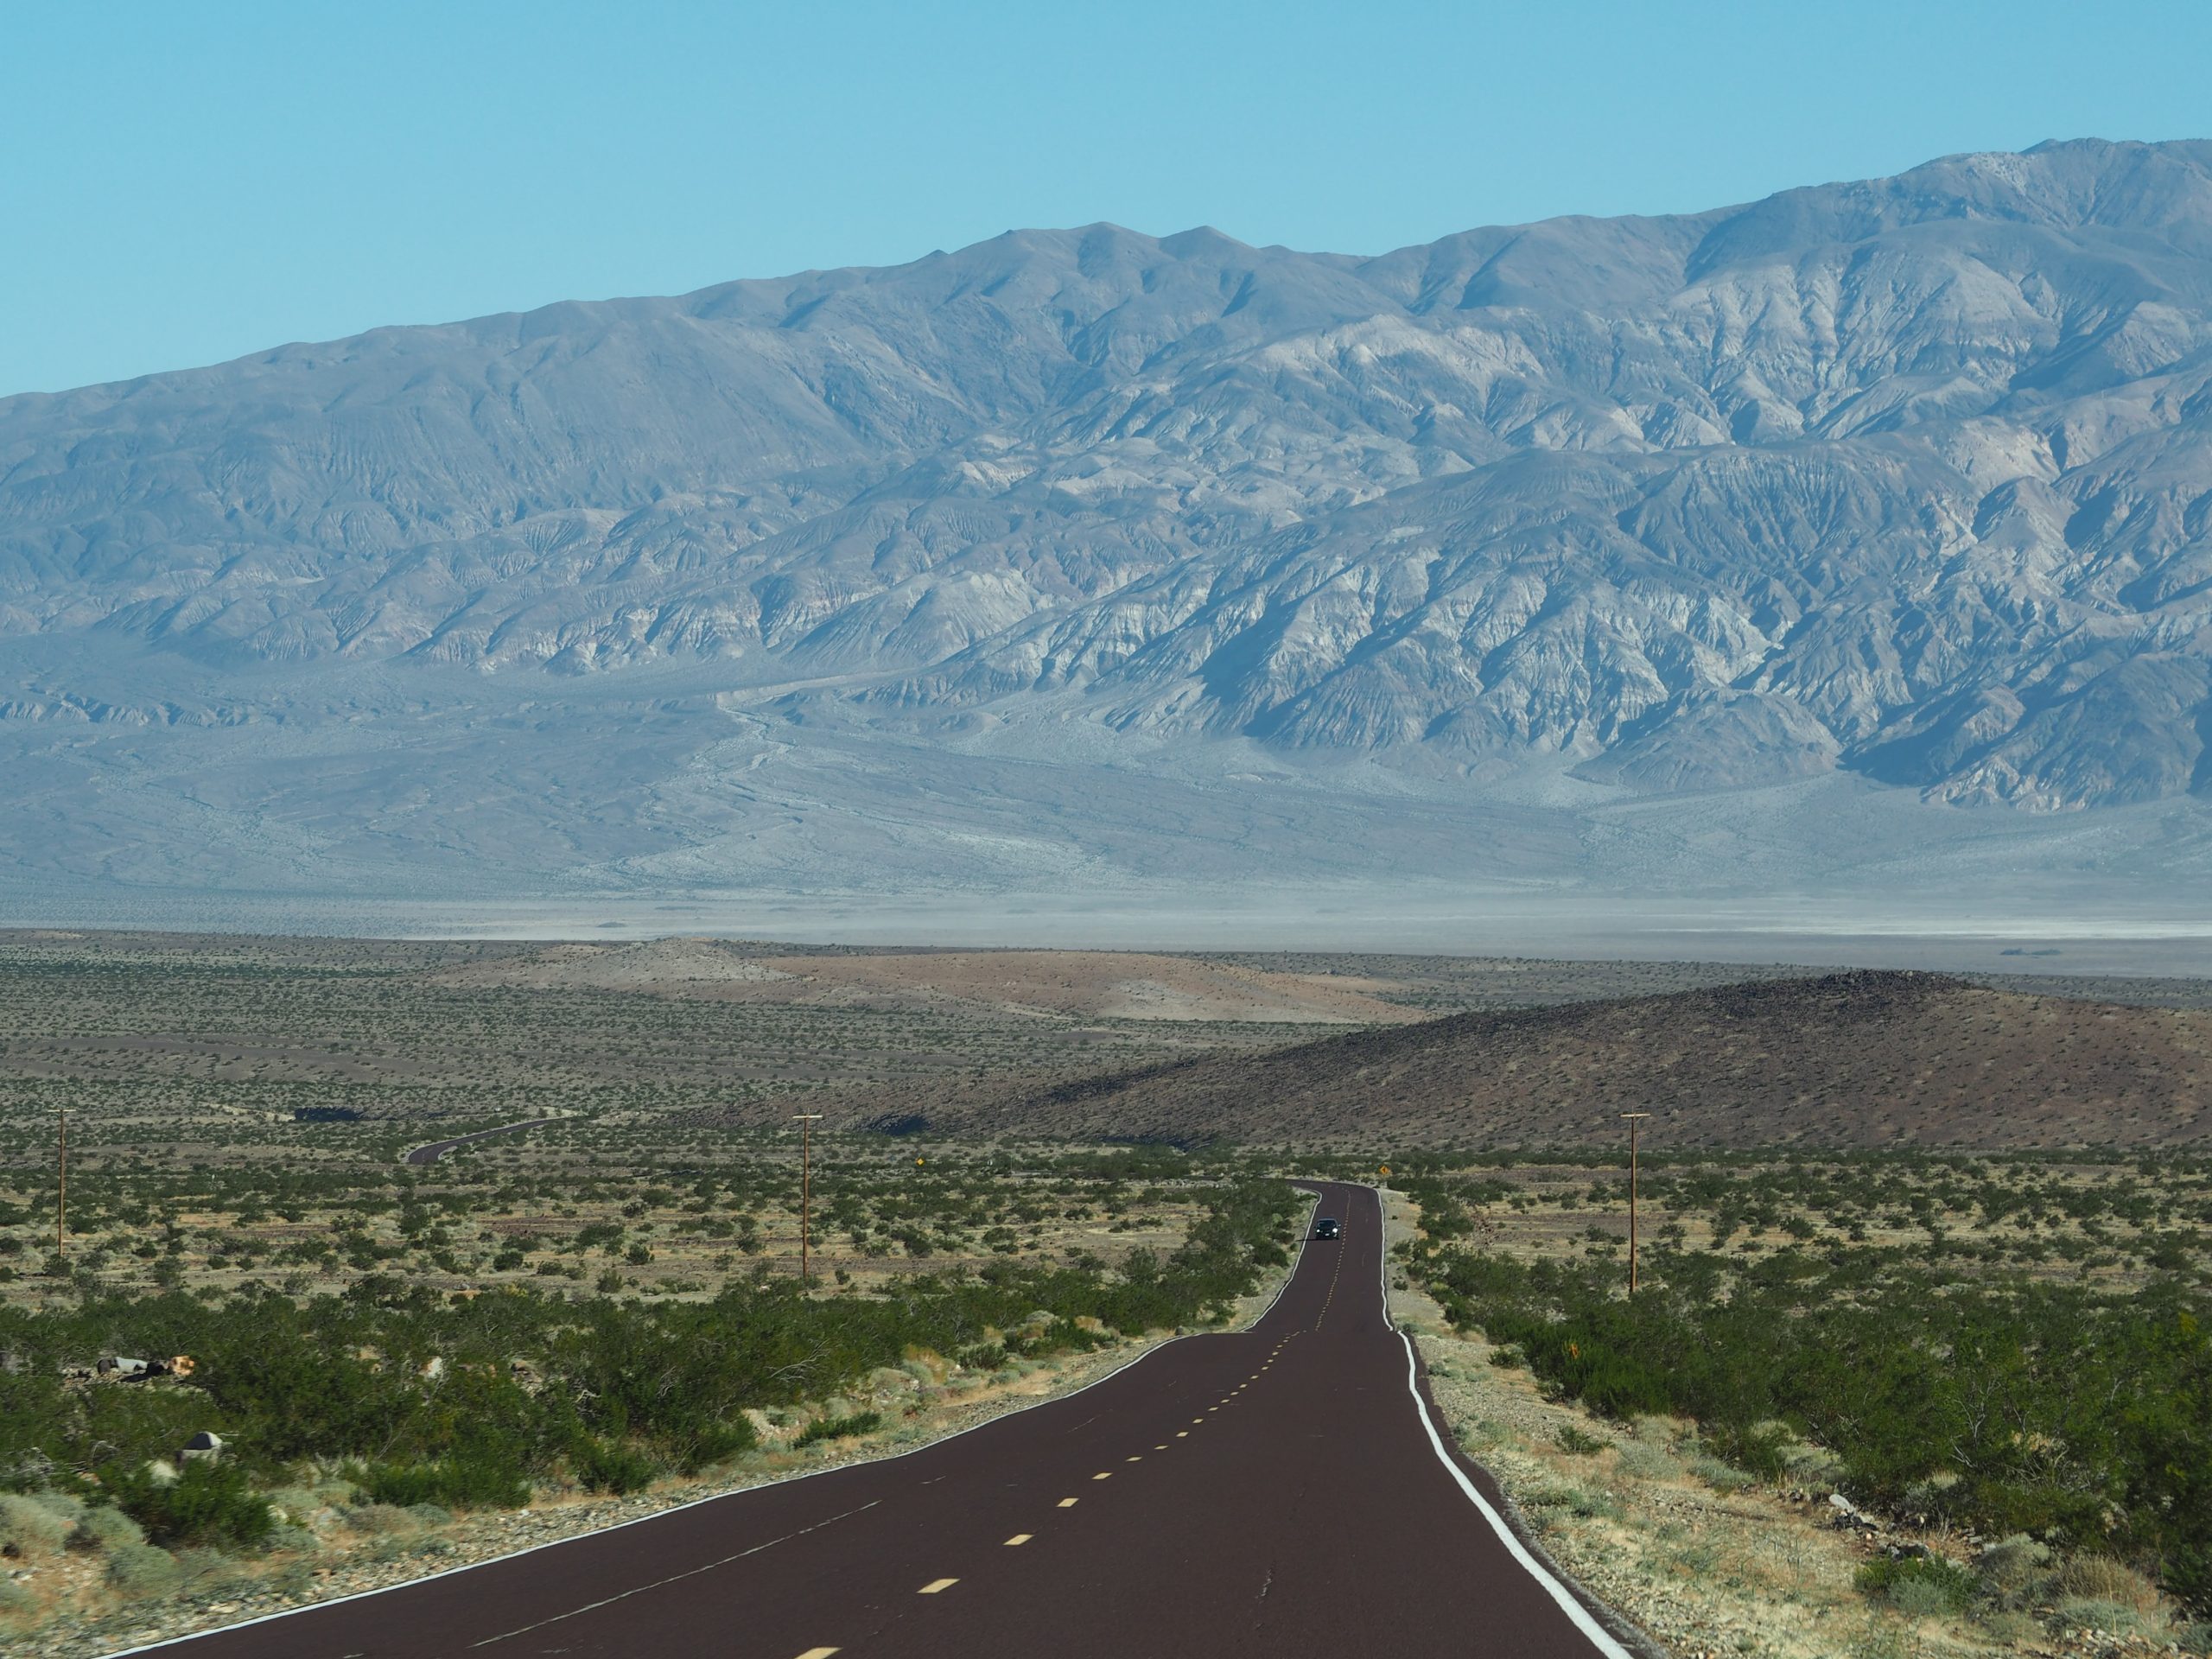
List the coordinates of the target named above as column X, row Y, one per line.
column 183, row 183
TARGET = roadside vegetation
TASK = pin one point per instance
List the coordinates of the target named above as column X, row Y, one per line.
column 399, row 1354
column 2003, row 1364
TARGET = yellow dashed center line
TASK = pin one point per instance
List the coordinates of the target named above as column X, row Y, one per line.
column 819, row 1653
column 1182, row 1433
column 1068, row 1502
column 1132, row 1459
column 1107, row 1474
column 1019, row 1538
column 935, row 1586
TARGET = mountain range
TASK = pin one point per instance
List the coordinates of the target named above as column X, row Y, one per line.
column 1866, row 528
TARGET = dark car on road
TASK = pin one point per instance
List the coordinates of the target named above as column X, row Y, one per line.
column 1328, row 1226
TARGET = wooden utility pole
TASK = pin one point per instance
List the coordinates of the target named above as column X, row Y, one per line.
column 806, row 1121
column 61, row 1189
column 1635, row 1122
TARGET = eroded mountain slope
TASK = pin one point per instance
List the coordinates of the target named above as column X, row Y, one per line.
column 1906, row 477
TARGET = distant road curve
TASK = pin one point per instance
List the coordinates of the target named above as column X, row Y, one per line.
column 1238, row 1494
column 437, row 1149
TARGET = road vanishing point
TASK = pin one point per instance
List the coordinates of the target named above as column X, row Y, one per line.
column 1281, row 1491
column 437, row 1149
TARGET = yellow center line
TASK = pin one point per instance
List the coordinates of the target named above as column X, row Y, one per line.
column 1182, row 1433
column 1019, row 1538
column 819, row 1653
column 1132, row 1459
column 1162, row 1446
column 936, row 1585
column 1109, row 1475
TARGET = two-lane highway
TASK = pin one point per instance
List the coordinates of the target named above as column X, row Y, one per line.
column 1269, row 1492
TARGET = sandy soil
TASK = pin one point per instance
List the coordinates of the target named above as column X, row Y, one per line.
column 1084, row 984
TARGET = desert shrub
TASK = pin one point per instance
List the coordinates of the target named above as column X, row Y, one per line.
column 379, row 1518
column 1920, row 1586
column 837, row 1428
column 1573, row 1441
column 1720, row 1475
column 140, row 1571
column 29, row 1529
column 2119, row 1618
column 69, row 1507
column 2015, row 1573
column 208, row 1503
column 201, row 1570
column 2099, row 1578
column 1646, row 1462
column 457, row 1483
column 610, row 1466
column 104, row 1531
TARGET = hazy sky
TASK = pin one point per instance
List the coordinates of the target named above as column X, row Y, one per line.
column 183, row 183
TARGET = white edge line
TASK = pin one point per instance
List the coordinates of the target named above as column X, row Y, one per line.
column 737, row 1492
column 1600, row 1637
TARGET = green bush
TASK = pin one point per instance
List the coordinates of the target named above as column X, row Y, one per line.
column 1574, row 1440
column 481, row 1482
column 610, row 1466
column 208, row 1503
column 838, row 1428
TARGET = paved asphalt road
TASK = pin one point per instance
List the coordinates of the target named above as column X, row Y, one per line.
column 1273, row 1492
column 437, row 1149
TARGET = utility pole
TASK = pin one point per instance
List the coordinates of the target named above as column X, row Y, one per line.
column 61, row 1189
column 806, row 1121
column 1635, row 1122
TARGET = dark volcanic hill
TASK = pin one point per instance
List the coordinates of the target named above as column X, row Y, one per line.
column 1087, row 554
column 1857, row 1059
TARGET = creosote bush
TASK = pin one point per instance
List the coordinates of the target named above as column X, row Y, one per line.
column 207, row 1503
column 838, row 1428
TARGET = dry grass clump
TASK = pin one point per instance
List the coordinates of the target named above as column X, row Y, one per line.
column 31, row 1528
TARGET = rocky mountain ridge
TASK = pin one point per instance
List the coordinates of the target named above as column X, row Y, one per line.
column 1908, row 479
